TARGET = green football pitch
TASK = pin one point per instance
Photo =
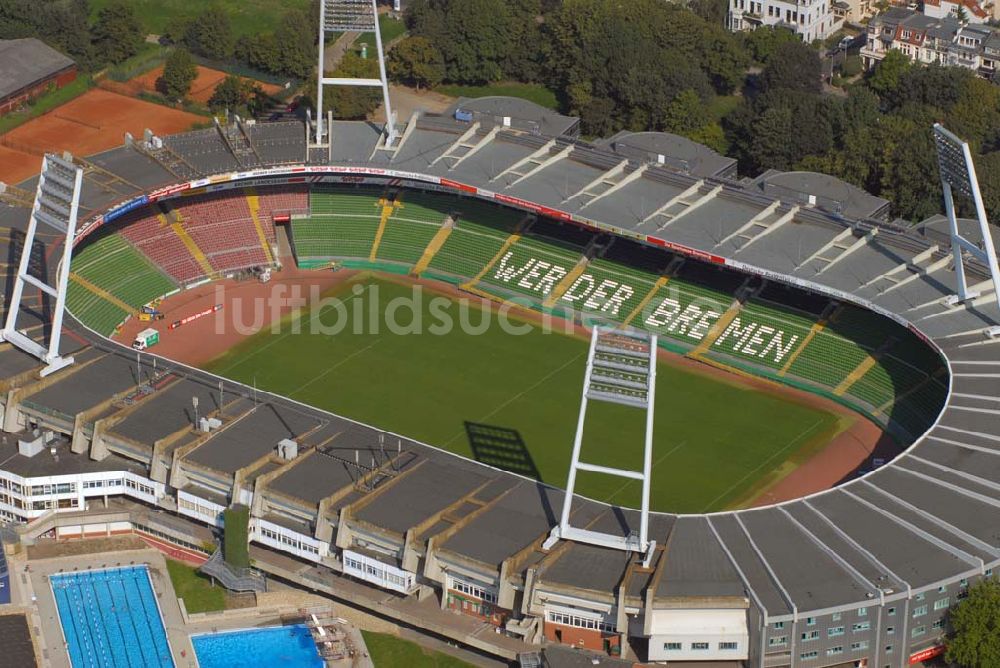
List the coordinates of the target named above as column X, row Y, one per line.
column 512, row 399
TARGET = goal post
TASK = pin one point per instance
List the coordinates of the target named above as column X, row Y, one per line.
column 621, row 369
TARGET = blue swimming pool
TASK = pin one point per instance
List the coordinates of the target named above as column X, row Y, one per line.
column 110, row 619
column 284, row 646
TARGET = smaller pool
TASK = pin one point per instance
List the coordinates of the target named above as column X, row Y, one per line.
column 288, row 646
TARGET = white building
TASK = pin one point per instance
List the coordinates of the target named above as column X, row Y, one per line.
column 809, row 19
column 971, row 11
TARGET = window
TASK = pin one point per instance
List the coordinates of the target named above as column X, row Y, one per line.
column 942, row 603
column 728, row 645
column 779, row 625
column 810, row 621
column 809, row 635
column 888, row 649
column 920, row 611
column 833, row 651
column 918, row 631
column 777, row 641
column 835, row 631
column 892, row 611
column 989, row 571
column 861, row 626
column 859, row 645
column 699, row 645
column 942, row 589
column 835, row 617
column 890, row 630
column 918, row 597
column 939, row 624
column 475, row 591
column 579, row 622
column 806, row 656
column 862, row 612
column 671, row 646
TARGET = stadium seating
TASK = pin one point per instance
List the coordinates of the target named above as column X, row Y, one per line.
column 468, row 249
column 842, row 350
column 221, row 226
column 404, row 240
column 151, row 234
column 126, row 278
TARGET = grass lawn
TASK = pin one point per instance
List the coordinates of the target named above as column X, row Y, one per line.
column 715, row 441
column 536, row 93
column 46, row 103
column 388, row 650
column 247, row 16
column 391, row 29
column 197, row 591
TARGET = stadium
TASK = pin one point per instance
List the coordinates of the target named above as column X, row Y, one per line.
column 825, row 475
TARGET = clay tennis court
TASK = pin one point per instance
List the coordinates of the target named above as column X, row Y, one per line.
column 94, row 122
column 203, row 86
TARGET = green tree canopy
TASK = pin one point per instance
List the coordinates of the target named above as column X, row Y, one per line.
column 975, row 628
column 793, row 66
column 117, row 34
column 885, row 78
column 415, row 61
column 239, row 96
column 764, row 41
column 210, row 34
column 179, row 72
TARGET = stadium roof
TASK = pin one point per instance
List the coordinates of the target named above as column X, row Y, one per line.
column 546, row 121
column 26, row 62
column 925, row 517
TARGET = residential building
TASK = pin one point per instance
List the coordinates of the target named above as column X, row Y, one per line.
column 971, row 11
column 809, row 19
column 927, row 40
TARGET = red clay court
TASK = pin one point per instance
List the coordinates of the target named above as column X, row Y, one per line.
column 201, row 89
column 96, row 121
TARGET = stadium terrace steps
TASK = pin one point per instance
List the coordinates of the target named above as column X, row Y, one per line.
column 253, row 204
column 387, row 208
column 405, row 241
column 112, row 280
column 342, row 224
column 435, row 244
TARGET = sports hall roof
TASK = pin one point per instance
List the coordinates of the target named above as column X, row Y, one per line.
column 925, row 517
column 26, row 62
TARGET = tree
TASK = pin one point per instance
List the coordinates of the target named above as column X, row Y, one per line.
column 794, row 66
column 117, row 34
column 354, row 102
column 210, row 34
column 416, row 62
column 762, row 42
column 480, row 40
column 685, row 114
column 238, row 95
column 179, row 72
column 975, row 116
column 885, row 78
column 296, row 37
column 974, row 641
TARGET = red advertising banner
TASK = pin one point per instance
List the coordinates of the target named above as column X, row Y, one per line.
column 458, row 186
column 925, row 654
column 191, row 318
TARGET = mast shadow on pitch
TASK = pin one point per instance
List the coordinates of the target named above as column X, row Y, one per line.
column 502, row 448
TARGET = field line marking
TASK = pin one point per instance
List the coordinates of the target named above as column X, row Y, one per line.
column 520, row 394
column 763, row 464
column 332, row 368
column 278, row 339
column 651, row 468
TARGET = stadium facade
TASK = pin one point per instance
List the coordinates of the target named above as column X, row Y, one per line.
column 863, row 574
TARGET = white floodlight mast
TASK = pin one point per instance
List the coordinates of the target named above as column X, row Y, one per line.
column 361, row 16
column 601, row 387
column 958, row 172
column 57, row 203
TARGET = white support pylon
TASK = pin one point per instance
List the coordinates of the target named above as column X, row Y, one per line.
column 57, row 204
column 351, row 16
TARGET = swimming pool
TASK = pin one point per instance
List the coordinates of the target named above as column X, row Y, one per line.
column 285, row 646
column 110, row 619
